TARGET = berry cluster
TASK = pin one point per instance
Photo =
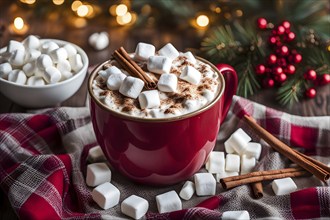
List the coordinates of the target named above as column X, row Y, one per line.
column 283, row 60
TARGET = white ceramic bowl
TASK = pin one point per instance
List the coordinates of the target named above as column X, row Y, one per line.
column 48, row 95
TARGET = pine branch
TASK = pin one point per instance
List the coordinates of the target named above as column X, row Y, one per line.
column 290, row 92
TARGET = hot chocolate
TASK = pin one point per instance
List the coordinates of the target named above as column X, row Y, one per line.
column 183, row 84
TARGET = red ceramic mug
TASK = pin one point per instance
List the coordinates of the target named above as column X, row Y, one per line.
column 161, row 151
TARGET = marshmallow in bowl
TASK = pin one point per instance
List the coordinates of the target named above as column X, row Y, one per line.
column 48, row 46
column 169, row 51
column 190, row 57
column 131, row 87
column 167, row 82
column 115, row 80
column 76, row 62
column 17, row 76
column 31, row 42
column 35, row 81
column 143, row 51
column 15, row 45
column 17, row 58
column 52, row 75
column 5, row 68
column 190, row 74
column 159, row 64
column 149, row 99
column 29, row 68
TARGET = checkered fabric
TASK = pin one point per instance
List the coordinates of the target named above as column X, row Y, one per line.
column 43, row 158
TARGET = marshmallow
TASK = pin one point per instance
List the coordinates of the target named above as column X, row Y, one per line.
column 106, row 195
column 44, row 61
column 235, row 215
column 168, row 202
column 169, row 51
column 17, row 76
column 143, row 51
column 216, row 162
column 228, row 146
column 29, row 68
column 115, row 80
column 239, row 140
column 49, row 46
column 76, row 62
column 58, row 54
column 209, row 95
column 109, row 71
column 247, row 164
column 149, row 99
column 191, row 75
column 253, row 150
column 35, row 81
column 31, row 55
column 99, row 40
column 95, row 154
column 232, row 162
column 31, row 42
column 167, row 82
column 190, row 57
column 159, row 64
column 52, row 75
column 131, row 87
column 65, row 75
column 17, row 58
column 63, row 66
column 283, row 186
column 134, row 207
column 5, row 68
column 205, row 184
column 71, row 50
column 14, row 45
column 225, row 174
column 97, row 173
column 187, row 190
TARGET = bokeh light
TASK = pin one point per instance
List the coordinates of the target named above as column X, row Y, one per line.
column 75, row 5
column 58, row 2
column 121, row 10
column 202, row 20
column 19, row 23
column 82, row 10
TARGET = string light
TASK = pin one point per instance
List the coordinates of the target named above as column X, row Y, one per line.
column 121, row 10
column 112, row 10
column 18, row 26
column 217, row 10
column 58, row 2
column 90, row 12
column 29, row 2
column 125, row 19
column 75, row 5
column 239, row 13
column 82, row 10
column 19, row 23
column 202, row 20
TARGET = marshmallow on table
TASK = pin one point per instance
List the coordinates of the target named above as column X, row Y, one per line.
column 99, row 40
column 143, row 51
column 52, row 75
column 58, row 54
column 283, row 186
column 225, row 174
column 159, row 64
column 134, row 207
column 109, row 71
column 44, row 61
column 169, row 51
column 29, row 68
column 191, row 75
column 95, row 154
column 35, row 81
column 149, row 99
column 228, row 147
column 115, row 80
column 239, row 140
column 131, row 87
column 71, row 50
column 97, row 173
column 232, row 162
column 17, row 76
column 247, row 164
column 31, row 42
column 167, row 82
column 187, row 190
column 216, row 162
column 5, row 68
column 106, row 195
column 76, row 62
column 17, row 58
column 14, row 45
column 235, row 215
column 49, row 46
column 168, row 202
column 205, row 184
column 190, row 57
column 253, row 150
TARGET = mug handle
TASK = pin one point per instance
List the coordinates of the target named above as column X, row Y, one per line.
column 231, row 81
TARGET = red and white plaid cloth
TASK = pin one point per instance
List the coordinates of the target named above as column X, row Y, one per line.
column 43, row 162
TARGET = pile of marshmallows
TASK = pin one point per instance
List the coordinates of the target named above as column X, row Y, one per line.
column 106, row 195
column 160, row 64
column 35, row 63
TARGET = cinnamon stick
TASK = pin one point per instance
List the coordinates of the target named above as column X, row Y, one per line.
column 130, row 66
column 322, row 165
column 288, row 152
column 231, row 182
column 257, row 190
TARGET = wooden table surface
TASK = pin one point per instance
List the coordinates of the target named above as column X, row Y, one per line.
column 127, row 37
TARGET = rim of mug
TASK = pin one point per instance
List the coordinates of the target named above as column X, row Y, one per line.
column 92, row 76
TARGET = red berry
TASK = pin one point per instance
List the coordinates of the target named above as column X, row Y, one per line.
column 277, row 70
column 310, row 93
column 297, row 58
column 290, row 69
column 310, row 75
column 260, row 69
column 284, row 50
column 268, row 82
column 262, row 23
column 286, row 24
column 273, row 40
column 280, row 78
column 290, row 36
column 280, row 30
column 325, row 79
column 272, row 59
